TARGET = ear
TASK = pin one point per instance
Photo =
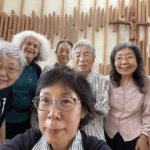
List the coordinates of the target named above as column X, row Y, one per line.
column 93, row 60
column 83, row 114
column 55, row 52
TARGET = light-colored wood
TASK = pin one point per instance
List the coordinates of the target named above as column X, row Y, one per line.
column 74, row 16
column 108, row 69
column 82, row 18
column 15, row 24
column 110, row 13
column 9, row 35
column 122, row 8
column 69, row 28
column 90, row 17
column 86, row 23
column 98, row 19
column 36, row 24
column 44, row 25
column 118, row 27
column 48, row 26
column 28, row 23
column 105, row 40
column 52, row 31
column 94, row 20
column 130, row 5
column 127, row 13
column 149, row 7
column 11, row 19
column 73, row 31
column 138, row 28
column 23, row 22
column 65, row 27
column 143, row 51
column 61, row 23
column 2, row 24
column 115, row 18
column 78, row 19
column 32, row 20
column 57, row 24
column 102, row 18
column 6, row 27
column 143, row 11
column 1, row 7
column 41, row 17
column 136, row 8
column 100, row 68
column 20, row 16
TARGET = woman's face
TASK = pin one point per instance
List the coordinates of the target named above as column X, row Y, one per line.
column 125, row 62
column 59, row 127
column 9, row 71
column 63, row 53
column 30, row 48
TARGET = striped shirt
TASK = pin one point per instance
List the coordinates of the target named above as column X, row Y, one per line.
column 100, row 89
column 44, row 145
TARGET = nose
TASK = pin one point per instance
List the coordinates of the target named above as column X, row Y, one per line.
column 124, row 60
column 82, row 59
column 3, row 71
column 31, row 46
column 54, row 111
column 64, row 53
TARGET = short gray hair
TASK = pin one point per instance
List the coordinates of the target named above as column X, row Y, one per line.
column 44, row 51
column 9, row 49
column 83, row 43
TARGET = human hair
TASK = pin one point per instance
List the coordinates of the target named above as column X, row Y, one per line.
column 83, row 43
column 75, row 81
column 44, row 50
column 138, row 75
column 63, row 41
column 9, row 49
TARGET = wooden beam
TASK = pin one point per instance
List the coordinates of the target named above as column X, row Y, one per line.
column 73, row 31
column 127, row 13
column 28, row 23
column 23, row 22
column 65, row 27
column 57, row 24
column 32, row 20
column 102, row 18
column 118, row 27
column 94, row 20
column 74, row 16
column 130, row 4
column 100, row 68
column 41, row 17
column 110, row 13
column 78, row 19
column 136, row 8
column 1, row 7
column 82, row 18
column 36, row 24
column 138, row 28
column 115, row 18
column 6, row 27
column 44, row 25
column 48, row 26
column 122, row 8
column 108, row 69
column 52, row 31
column 15, row 24
column 9, row 35
column 61, row 23
column 86, row 23
column 11, row 19
column 90, row 17
column 149, row 7
column 105, row 40
column 69, row 28
column 98, row 19
column 2, row 24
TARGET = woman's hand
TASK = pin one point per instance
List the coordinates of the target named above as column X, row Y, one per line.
column 141, row 143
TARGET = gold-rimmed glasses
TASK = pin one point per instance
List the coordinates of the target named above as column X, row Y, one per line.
column 9, row 69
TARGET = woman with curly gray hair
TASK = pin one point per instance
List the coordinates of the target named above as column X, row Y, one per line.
column 35, row 48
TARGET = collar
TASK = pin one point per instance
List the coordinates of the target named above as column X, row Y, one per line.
column 56, row 64
column 90, row 76
column 42, row 144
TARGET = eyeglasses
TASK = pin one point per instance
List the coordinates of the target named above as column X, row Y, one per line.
column 9, row 69
column 63, row 103
column 120, row 58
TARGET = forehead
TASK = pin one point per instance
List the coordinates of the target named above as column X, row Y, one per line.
column 64, row 45
column 33, row 40
column 83, row 49
column 125, row 51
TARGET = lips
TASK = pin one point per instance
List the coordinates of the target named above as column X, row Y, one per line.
column 29, row 52
column 125, row 67
column 53, row 131
column 2, row 81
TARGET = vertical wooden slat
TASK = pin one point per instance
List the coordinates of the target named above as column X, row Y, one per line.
column 143, row 51
column 90, row 17
column 73, row 30
column 78, row 18
column 2, row 24
column 61, row 24
column 6, row 27
column 110, row 13
column 28, row 23
column 41, row 17
column 135, row 6
column 20, row 17
column 118, row 27
column 105, row 39
column 9, row 35
column 52, row 31
column 115, row 18
column 122, row 8
column 23, row 22
column 86, row 23
column 100, row 68
column 15, row 24
column 74, row 16
column 65, row 27
column 127, row 13
column 1, row 7
column 102, row 18
column 48, row 26
column 69, row 28
column 44, row 25
column 57, row 24
column 36, row 24
column 94, row 20
column 82, row 18
column 130, row 5
column 32, row 20
column 149, row 7
column 11, row 19
column 143, row 11
column 108, row 69
column 98, row 19
column 138, row 28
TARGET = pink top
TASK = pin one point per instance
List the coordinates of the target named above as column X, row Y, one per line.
column 129, row 111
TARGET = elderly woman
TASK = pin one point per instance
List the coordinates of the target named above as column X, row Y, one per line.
column 83, row 54
column 65, row 104
column 35, row 48
column 63, row 54
column 12, row 62
column 128, row 122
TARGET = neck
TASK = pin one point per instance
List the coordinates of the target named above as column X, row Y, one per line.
column 124, row 80
column 86, row 73
column 28, row 62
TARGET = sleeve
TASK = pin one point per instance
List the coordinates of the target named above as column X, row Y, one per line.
column 46, row 69
column 146, row 112
column 102, row 96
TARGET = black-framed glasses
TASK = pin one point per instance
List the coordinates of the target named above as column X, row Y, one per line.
column 9, row 69
column 63, row 103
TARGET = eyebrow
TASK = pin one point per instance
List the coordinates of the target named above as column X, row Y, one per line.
column 126, row 54
column 14, row 64
column 65, row 93
column 33, row 43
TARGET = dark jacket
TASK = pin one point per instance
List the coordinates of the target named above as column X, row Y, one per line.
column 27, row 141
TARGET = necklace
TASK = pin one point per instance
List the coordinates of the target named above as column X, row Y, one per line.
column 29, row 75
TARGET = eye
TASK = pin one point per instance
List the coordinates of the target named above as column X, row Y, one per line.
column 44, row 100
column 77, row 55
column 86, row 54
column 28, row 43
column 66, row 101
column 11, row 68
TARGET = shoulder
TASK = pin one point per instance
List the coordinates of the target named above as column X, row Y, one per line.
column 97, row 75
column 47, row 68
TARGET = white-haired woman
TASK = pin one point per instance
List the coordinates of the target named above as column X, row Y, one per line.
column 12, row 62
column 35, row 48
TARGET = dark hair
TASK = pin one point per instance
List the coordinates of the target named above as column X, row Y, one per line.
column 138, row 75
column 64, row 41
column 75, row 81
